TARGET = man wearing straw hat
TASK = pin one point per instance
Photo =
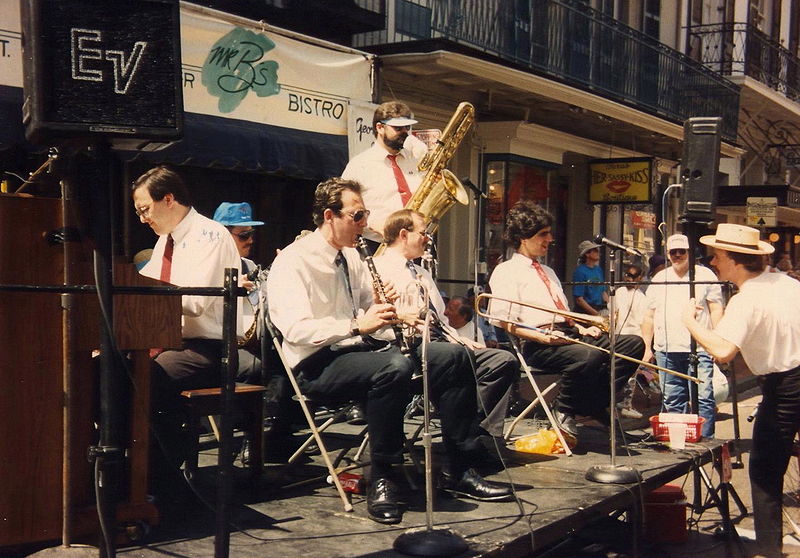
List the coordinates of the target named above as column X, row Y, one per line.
column 762, row 321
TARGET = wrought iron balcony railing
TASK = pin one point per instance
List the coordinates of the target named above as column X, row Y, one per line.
column 742, row 49
column 575, row 44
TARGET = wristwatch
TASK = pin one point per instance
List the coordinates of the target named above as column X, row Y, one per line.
column 354, row 331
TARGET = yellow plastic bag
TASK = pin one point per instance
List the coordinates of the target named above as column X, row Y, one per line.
column 545, row 442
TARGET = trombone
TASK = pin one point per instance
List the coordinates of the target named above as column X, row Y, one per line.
column 575, row 316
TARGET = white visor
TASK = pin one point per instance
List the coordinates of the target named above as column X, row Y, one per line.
column 399, row 121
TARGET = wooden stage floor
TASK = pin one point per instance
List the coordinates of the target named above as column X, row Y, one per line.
column 554, row 500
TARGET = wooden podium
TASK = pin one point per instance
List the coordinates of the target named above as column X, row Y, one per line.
column 48, row 378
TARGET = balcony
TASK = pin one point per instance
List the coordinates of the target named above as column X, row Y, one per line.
column 740, row 49
column 566, row 41
column 333, row 20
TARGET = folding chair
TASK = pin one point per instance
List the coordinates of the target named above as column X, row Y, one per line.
column 539, row 400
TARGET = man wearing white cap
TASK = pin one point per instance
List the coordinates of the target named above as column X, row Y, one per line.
column 763, row 322
column 387, row 171
column 668, row 340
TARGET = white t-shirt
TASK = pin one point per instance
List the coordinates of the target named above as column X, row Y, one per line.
column 763, row 320
column 631, row 306
column 669, row 333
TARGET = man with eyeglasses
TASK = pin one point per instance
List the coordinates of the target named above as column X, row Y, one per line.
column 495, row 369
column 631, row 306
column 323, row 301
column 387, row 171
column 192, row 251
column 668, row 340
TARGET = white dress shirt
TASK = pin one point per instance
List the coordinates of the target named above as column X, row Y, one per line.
column 203, row 249
column 517, row 280
column 307, row 295
column 669, row 333
column 763, row 320
column 373, row 170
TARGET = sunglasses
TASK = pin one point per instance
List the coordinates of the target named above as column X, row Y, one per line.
column 677, row 252
column 246, row 234
column 632, row 275
column 357, row 216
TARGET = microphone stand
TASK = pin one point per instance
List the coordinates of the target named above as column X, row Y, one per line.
column 428, row 541
column 612, row 473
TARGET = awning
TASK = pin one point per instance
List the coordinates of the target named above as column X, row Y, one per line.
column 211, row 141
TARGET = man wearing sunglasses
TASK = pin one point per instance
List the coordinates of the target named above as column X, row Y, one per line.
column 668, row 340
column 387, row 171
column 323, row 301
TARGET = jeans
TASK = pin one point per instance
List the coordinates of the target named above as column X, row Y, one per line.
column 777, row 422
column 676, row 390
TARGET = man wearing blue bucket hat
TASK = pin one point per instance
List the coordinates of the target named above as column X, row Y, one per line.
column 238, row 218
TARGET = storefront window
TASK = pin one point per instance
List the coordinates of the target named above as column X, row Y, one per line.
column 510, row 179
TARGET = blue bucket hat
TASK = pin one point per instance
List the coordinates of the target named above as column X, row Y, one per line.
column 236, row 215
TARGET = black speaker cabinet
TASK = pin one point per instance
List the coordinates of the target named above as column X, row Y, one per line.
column 102, row 68
column 701, row 144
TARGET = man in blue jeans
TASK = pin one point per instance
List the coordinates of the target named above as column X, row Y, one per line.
column 667, row 338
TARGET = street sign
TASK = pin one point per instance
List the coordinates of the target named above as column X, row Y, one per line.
column 762, row 212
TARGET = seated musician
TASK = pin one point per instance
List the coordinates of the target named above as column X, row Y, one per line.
column 497, row 370
column 191, row 251
column 238, row 219
column 547, row 335
column 322, row 300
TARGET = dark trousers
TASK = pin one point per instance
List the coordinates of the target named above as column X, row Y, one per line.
column 382, row 381
column 777, row 422
column 497, row 371
column 584, row 371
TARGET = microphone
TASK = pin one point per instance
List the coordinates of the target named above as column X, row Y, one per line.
column 600, row 239
column 469, row 184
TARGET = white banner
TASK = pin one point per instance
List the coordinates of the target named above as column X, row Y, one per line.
column 234, row 69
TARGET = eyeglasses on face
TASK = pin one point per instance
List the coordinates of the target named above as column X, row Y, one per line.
column 244, row 235
column 143, row 211
column 632, row 275
column 677, row 252
column 423, row 232
column 358, row 215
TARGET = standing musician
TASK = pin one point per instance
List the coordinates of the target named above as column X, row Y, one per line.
column 192, row 251
column 763, row 322
column 322, row 300
column 387, row 171
column 584, row 371
column 496, row 370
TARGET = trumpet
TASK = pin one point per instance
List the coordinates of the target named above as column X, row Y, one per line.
column 584, row 318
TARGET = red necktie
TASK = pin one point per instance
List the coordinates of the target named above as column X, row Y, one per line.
column 402, row 185
column 166, row 260
column 560, row 305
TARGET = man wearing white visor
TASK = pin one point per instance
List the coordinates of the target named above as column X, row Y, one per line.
column 387, row 171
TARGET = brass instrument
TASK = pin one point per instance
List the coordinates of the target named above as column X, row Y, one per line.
column 585, row 318
column 440, row 189
column 251, row 340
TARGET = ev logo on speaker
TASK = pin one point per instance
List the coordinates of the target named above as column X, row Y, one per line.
column 86, row 57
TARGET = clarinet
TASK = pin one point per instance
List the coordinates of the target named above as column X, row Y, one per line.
column 400, row 338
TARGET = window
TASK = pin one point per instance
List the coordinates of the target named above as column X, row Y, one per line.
column 413, row 20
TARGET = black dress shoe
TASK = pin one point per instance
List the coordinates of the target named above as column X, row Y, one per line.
column 356, row 415
column 471, row 485
column 382, row 503
column 566, row 422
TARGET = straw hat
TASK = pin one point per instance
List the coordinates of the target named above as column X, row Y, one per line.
column 737, row 238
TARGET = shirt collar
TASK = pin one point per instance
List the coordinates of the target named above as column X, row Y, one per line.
column 521, row 259
column 182, row 229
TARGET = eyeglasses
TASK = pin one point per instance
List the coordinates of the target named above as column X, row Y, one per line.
column 143, row 211
column 399, row 128
column 677, row 252
column 244, row 235
column 632, row 275
column 357, row 215
column 424, row 233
